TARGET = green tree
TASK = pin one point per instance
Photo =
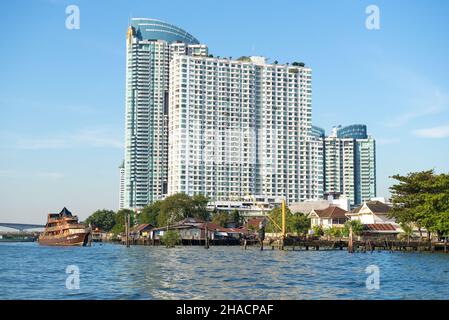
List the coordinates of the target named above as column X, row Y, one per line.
column 317, row 231
column 294, row 223
column 235, row 217
column 441, row 224
column 170, row 238
column 333, row 232
column 408, row 198
column 150, row 214
column 119, row 218
column 175, row 208
column 407, row 229
column 276, row 216
column 301, row 223
column 103, row 219
column 422, row 199
column 221, row 218
column 199, row 210
column 357, row 228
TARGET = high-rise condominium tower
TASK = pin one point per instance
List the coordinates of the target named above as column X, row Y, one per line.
column 150, row 45
column 350, row 163
column 229, row 129
column 238, row 128
column 121, row 203
column 315, row 164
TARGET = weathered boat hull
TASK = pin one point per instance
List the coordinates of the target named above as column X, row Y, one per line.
column 80, row 239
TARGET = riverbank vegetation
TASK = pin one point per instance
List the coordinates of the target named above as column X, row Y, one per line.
column 297, row 223
column 339, row 232
column 109, row 221
column 421, row 199
column 162, row 213
column 175, row 208
column 170, row 238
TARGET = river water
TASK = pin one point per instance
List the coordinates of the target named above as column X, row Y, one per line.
column 107, row 271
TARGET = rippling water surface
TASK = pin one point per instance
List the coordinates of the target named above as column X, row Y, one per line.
column 30, row 271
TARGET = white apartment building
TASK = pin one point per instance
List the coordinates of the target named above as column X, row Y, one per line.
column 315, row 164
column 229, row 129
column 121, row 203
column 238, row 128
column 150, row 46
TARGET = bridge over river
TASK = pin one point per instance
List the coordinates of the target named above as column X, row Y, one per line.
column 21, row 226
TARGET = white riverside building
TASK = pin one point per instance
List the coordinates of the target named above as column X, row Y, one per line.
column 315, row 164
column 229, row 129
column 238, row 128
column 150, row 46
column 121, row 204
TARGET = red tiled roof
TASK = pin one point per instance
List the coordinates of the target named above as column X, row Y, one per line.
column 379, row 227
column 331, row 212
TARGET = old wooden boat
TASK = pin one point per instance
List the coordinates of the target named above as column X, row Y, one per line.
column 63, row 229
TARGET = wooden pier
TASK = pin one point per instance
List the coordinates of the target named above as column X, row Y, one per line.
column 358, row 245
column 297, row 244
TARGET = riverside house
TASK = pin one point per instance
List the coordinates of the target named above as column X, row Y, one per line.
column 374, row 217
column 141, row 230
column 193, row 229
column 372, row 212
column 332, row 216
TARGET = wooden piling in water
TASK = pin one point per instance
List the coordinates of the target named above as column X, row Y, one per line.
column 351, row 241
column 127, row 227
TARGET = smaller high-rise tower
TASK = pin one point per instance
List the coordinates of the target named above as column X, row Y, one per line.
column 350, row 163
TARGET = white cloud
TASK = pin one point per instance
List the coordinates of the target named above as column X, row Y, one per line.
column 429, row 102
column 405, row 118
column 435, row 132
column 414, row 95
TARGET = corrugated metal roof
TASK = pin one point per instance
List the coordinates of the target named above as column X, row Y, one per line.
column 141, row 227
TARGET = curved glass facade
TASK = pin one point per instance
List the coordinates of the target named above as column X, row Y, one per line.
column 355, row 131
column 317, row 132
column 152, row 29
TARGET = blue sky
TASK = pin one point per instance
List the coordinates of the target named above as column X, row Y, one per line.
column 62, row 91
